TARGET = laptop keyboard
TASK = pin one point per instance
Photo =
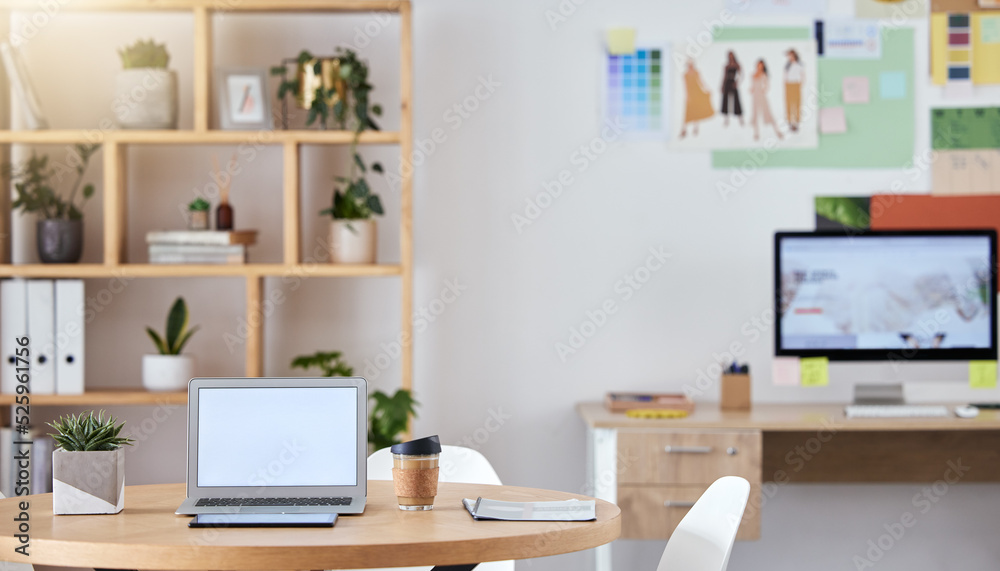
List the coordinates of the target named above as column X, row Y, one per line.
column 269, row 502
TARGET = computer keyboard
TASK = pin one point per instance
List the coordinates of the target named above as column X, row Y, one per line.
column 268, row 502
column 895, row 411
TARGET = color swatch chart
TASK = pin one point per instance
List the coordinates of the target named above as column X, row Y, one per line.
column 959, row 48
column 635, row 90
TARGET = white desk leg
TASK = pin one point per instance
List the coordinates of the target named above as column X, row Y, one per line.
column 602, row 479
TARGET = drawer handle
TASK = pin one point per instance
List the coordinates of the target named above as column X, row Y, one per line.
column 673, row 504
column 687, row 449
column 732, row 451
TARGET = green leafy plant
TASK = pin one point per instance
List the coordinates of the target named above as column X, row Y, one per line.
column 35, row 181
column 389, row 415
column 352, row 103
column 87, row 433
column 850, row 211
column 352, row 196
column 144, row 54
column 329, row 363
column 199, row 205
column 177, row 333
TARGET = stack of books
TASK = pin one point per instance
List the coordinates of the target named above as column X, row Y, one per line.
column 199, row 246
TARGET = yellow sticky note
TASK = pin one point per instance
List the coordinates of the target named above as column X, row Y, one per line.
column 983, row 374
column 814, row 371
column 621, row 41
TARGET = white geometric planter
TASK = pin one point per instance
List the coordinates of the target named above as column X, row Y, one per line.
column 352, row 241
column 167, row 372
column 88, row 482
column 146, row 98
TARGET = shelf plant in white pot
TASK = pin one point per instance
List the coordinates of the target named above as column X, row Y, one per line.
column 353, row 232
column 145, row 90
column 59, row 230
column 169, row 370
column 88, row 465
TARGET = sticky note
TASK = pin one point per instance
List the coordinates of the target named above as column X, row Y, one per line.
column 855, row 89
column 814, row 371
column 832, row 120
column 892, row 84
column 621, row 41
column 958, row 90
column 785, row 371
column 989, row 29
column 983, row 374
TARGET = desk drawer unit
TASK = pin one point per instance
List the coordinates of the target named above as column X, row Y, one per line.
column 661, row 473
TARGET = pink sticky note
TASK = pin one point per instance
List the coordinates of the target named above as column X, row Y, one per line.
column 855, row 89
column 785, row 371
column 832, row 120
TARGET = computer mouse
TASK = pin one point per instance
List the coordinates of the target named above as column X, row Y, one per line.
column 968, row 411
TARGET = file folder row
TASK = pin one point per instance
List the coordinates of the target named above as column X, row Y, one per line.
column 51, row 314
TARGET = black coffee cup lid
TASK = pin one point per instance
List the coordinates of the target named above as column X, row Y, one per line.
column 419, row 447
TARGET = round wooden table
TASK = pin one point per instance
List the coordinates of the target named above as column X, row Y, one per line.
column 147, row 534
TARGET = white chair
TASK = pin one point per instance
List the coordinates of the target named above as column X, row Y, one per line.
column 704, row 539
column 459, row 465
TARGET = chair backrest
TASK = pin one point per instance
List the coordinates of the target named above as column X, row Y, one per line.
column 704, row 539
column 459, row 465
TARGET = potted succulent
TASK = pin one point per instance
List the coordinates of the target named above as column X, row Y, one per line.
column 389, row 415
column 169, row 370
column 145, row 90
column 59, row 231
column 88, row 465
column 198, row 214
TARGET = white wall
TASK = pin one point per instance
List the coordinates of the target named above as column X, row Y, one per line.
column 487, row 371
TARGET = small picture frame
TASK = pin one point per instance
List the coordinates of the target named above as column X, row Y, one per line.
column 243, row 98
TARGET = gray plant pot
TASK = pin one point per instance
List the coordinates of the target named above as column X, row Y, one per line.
column 59, row 241
column 88, row 482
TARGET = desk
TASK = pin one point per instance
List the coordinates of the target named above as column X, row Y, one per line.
column 147, row 534
column 771, row 445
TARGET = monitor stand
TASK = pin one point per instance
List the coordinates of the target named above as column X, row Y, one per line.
column 878, row 394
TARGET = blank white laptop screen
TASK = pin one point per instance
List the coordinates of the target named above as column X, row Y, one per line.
column 302, row 436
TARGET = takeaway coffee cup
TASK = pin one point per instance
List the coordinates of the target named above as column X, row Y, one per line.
column 415, row 472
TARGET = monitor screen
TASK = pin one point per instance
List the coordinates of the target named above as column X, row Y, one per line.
column 928, row 295
column 271, row 436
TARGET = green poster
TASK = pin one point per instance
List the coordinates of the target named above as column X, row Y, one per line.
column 879, row 133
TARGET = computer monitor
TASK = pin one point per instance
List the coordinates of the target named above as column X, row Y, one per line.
column 892, row 296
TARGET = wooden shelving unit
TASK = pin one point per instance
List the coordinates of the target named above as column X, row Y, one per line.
column 104, row 397
column 116, row 143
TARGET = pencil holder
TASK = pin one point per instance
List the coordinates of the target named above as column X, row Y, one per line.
column 735, row 391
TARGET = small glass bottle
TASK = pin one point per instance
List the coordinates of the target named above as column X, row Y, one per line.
column 224, row 217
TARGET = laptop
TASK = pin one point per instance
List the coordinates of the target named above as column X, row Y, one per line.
column 276, row 445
